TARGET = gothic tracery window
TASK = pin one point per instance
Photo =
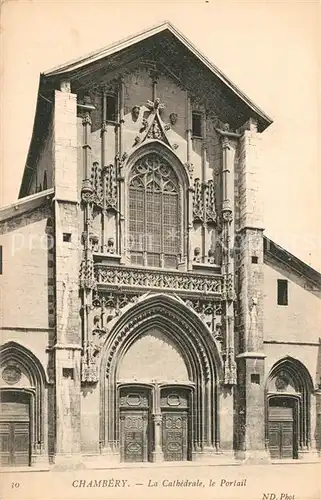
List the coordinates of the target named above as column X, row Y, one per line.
column 154, row 213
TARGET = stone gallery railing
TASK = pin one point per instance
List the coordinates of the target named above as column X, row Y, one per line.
column 182, row 283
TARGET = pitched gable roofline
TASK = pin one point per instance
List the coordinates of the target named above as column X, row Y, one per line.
column 143, row 35
column 26, row 204
column 271, row 249
column 240, row 107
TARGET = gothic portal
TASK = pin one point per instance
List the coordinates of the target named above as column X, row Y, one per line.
column 159, row 384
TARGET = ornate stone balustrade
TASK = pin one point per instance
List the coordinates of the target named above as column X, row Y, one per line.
column 181, row 283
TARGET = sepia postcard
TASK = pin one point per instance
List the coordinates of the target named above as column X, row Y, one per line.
column 160, row 250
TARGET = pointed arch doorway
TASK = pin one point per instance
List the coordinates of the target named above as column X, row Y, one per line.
column 23, row 408
column 160, row 393
column 288, row 408
column 154, row 399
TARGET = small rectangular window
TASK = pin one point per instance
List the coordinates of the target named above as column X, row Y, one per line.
column 255, row 378
column 255, row 259
column 282, row 292
column 197, row 125
column 111, row 111
column 68, row 373
column 66, row 237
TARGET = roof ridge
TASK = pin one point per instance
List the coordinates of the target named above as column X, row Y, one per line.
column 98, row 52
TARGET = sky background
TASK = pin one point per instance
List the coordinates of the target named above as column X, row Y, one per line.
column 270, row 49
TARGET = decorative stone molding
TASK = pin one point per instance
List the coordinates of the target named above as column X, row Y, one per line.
column 198, row 206
column 230, row 374
column 89, row 365
column 144, row 125
column 110, row 185
column 120, row 160
column 104, row 188
column 209, row 312
column 141, row 318
column 110, row 306
column 11, row 374
column 155, row 106
column 147, row 279
column 204, row 202
column 157, row 418
column 190, row 169
column 210, row 203
column 228, row 291
column 153, row 127
column 87, row 278
column 155, row 132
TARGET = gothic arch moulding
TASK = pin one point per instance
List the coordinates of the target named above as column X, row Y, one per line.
column 161, row 149
column 21, row 371
column 198, row 350
column 156, row 182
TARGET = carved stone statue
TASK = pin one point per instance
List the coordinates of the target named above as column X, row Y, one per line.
column 211, row 256
column 135, row 113
column 173, row 118
column 197, row 254
column 111, row 246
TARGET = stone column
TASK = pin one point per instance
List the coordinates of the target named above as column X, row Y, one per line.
column 66, row 350
column 251, row 404
column 157, row 453
column 229, row 141
column 188, row 165
column 312, row 452
column 122, row 239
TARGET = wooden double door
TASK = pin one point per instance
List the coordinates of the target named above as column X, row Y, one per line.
column 175, row 435
column 14, row 429
column 282, row 430
column 146, row 426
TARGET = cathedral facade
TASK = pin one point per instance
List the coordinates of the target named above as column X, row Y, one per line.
column 146, row 317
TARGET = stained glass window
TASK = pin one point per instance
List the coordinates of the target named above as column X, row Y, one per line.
column 154, row 215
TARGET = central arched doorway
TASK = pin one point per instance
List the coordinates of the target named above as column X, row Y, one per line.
column 159, row 384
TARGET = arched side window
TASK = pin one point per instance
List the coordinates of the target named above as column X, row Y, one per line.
column 154, row 213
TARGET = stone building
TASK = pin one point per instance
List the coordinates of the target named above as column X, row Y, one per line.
column 146, row 317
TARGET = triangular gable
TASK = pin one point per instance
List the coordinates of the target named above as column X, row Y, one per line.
column 80, row 66
column 290, row 261
column 170, row 52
